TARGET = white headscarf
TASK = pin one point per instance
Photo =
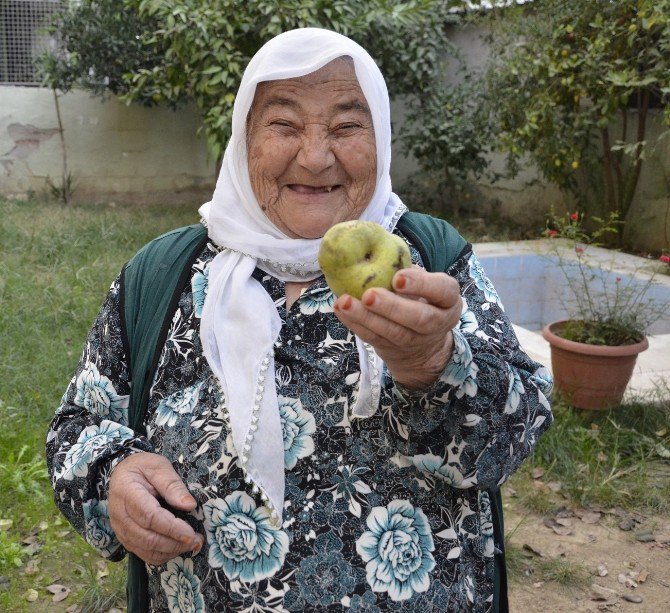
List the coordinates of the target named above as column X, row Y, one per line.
column 240, row 322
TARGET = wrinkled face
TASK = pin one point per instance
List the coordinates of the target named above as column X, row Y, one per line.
column 311, row 148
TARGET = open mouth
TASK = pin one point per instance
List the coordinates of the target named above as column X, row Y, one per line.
column 313, row 189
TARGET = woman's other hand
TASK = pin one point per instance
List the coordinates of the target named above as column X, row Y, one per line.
column 141, row 524
column 410, row 329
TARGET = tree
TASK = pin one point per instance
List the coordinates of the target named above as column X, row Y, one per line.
column 565, row 77
column 171, row 51
column 449, row 134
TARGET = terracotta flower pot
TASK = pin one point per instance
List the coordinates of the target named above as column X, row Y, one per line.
column 591, row 376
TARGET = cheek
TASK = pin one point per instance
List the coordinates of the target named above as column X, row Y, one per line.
column 360, row 163
column 268, row 160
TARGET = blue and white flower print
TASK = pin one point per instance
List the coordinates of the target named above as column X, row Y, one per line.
column 543, row 379
column 468, row 320
column 461, row 371
column 180, row 403
column 364, row 603
column 486, row 545
column 435, row 466
column 397, row 549
column 97, row 395
column 318, row 301
column 182, row 587
column 199, row 284
column 297, row 427
column 515, row 391
column 242, row 541
column 99, row 532
column 482, row 281
column 324, row 579
column 91, row 441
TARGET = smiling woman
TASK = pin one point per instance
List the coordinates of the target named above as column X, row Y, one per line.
column 312, row 151
column 257, row 443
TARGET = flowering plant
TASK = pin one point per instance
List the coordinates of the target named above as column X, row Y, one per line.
column 665, row 260
column 605, row 307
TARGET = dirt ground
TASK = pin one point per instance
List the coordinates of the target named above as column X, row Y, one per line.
column 626, row 558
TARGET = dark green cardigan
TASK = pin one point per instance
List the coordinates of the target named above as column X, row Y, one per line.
column 151, row 284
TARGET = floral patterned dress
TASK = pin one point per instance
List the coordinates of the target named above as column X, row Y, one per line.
column 386, row 513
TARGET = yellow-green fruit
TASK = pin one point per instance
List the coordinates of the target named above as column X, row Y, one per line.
column 356, row 255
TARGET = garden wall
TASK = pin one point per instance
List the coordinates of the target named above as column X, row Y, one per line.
column 142, row 154
column 114, row 152
column 528, row 197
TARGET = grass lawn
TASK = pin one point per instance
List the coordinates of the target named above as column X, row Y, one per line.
column 56, row 264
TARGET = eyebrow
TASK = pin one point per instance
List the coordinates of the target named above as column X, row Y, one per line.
column 342, row 107
column 353, row 105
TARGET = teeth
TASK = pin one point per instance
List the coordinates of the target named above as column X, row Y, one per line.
column 329, row 189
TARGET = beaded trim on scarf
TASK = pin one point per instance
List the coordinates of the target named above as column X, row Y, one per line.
column 302, row 269
column 243, row 454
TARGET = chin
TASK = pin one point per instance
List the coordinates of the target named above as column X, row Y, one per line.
column 313, row 230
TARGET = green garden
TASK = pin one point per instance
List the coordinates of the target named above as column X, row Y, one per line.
column 582, row 100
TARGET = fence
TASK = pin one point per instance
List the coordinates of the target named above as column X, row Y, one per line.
column 23, row 38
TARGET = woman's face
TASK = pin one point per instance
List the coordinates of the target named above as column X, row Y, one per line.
column 312, row 152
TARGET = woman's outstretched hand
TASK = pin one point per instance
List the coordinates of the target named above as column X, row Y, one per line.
column 141, row 524
column 410, row 329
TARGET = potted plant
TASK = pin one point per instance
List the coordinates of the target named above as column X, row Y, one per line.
column 594, row 350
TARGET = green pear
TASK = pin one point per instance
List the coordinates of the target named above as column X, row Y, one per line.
column 356, row 255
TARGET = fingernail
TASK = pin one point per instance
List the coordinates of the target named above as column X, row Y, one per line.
column 401, row 282
column 370, row 298
column 187, row 499
column 345, row 305
column 197, row 548
column 186, row 540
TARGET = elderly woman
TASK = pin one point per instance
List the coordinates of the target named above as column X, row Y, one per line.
column 257, row 444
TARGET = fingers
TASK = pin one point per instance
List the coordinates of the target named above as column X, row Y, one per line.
column 154, row 557
column 139, row 521
column 146, row 512
column 168, row 484
column 438, row 288
column 372, row 327
column 414, row 315
column 381, row 314
column 136, row 535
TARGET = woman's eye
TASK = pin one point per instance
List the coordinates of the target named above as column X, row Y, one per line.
column 346, row 127
column 282, row 123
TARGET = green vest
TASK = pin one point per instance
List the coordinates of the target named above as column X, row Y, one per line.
column 151, row 285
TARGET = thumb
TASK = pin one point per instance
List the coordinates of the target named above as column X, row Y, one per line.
column 170, row 487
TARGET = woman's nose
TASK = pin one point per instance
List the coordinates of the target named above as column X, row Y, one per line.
column 315, row 154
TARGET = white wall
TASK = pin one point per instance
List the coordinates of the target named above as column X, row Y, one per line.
column 114, row 151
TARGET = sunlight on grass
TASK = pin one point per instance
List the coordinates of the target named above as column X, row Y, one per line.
column 608, row 458
column 56, row 265
column 521, row 565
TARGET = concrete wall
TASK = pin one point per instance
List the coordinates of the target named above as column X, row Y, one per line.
column 115, row 152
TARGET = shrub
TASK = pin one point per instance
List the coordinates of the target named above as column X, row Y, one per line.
column 565, row 75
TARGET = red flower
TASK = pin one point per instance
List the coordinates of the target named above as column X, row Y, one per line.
column 665, row 259
column 574, row 216
column 552, row 232
column 579, row 249
column 618, row 279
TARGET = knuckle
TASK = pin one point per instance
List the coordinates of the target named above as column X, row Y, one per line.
column 156, row 558
column 152, row 541
column 425, row 319
column 398, row 335
column 149, row 518
column 174, row 486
